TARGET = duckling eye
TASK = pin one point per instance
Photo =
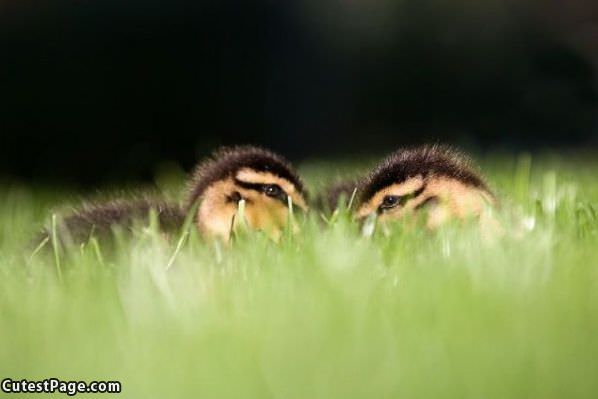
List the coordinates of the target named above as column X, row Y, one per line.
column 390, row 201
column 272, row 190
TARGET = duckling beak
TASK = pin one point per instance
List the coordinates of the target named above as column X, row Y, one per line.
column 366, row 220
column 368, row 224
column 292, row 208
column 272, row 219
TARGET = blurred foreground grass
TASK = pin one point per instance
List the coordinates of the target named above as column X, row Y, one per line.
column 326, row 314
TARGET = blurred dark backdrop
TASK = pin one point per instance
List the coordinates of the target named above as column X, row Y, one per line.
column 97, row 90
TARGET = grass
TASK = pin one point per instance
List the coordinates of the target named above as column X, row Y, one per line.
column 326, row 313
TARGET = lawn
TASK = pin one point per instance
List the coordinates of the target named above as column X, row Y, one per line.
column 326, row 313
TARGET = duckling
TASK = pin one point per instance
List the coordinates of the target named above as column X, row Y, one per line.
column 265, row 181
column 99, row 218
column 436, row 178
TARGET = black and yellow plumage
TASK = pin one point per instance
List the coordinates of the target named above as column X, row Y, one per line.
column 437, row 178
column 264, row 180
column 100, row 219
column 425, row 161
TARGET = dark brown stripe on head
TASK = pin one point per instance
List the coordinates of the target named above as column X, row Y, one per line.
column 421, row 161
column 416, row 193
column 227, row 161
column 403, row 199
column 261, row 188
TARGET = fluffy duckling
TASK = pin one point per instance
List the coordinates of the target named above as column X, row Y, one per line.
column 438, row 179
column 99, row 219
column 265, row 181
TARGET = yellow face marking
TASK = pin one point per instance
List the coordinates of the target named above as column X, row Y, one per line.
column 216, row 212
column 405, row 188
column 251, row 176
column 453, row 199
column 265, row 213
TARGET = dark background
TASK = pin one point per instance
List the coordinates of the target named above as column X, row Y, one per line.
column 104, row 90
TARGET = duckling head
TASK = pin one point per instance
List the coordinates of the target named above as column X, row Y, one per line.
column 264, row 181
column 435, row 179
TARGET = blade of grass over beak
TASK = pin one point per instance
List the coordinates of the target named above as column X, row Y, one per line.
column 290, row 206
column 55, row 246
column 241, row 213
column 290, row 218
column 369, row 226
column 239, row 223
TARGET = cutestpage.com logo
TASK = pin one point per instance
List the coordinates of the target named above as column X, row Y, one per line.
column 53, row 385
